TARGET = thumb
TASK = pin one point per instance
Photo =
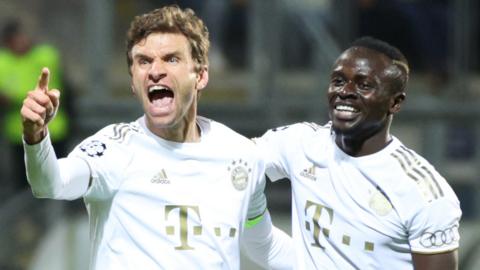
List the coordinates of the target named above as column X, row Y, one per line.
column 54, row 96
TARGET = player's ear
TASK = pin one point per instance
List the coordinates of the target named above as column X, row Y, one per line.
column 133, row 89
column 397, row 101
column 202, row 77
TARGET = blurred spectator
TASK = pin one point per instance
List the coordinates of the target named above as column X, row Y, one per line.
column 431, row 20
column 20, row 60
column 226, row 21
column 417, row 27
column 387, row 21
column 215, row 13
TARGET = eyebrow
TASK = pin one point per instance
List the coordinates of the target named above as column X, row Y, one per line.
column 336, row 73
column 140, row 55
column 171, row 54
column 175, row 53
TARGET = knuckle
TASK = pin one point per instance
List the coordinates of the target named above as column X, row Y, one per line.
column 42, row 110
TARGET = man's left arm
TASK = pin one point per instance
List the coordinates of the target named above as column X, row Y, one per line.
column 440, row 261
column 262, row 242
column 267, row 245
column 435, row 237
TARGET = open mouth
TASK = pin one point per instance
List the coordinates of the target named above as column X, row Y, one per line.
column 160, row 95
column 346, row 108
column 345, row 111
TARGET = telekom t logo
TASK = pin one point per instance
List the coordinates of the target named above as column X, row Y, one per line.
column 315, row 222
column 184, row 212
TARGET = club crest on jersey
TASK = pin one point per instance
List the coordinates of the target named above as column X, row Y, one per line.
column 93, row 148
column 379, row 203
column 239, row 173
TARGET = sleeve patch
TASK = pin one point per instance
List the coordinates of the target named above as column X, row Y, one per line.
column 440, row 238
column 436, row 241
column 94, row 148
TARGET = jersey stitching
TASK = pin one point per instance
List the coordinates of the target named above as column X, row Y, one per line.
column 434, row 180
column 121, row 131
column 316, row 126
column 413, row 169
column 425, row 169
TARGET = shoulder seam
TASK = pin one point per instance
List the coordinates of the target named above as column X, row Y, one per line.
column 316, row 126
column 122, row 131
column 418, row 172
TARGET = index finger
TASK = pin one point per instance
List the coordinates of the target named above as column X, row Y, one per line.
column 43, row 79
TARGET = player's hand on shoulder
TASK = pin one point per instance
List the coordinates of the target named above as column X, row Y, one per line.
column 39, row 107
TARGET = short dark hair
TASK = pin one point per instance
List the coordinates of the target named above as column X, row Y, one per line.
column 390, row 51
column 381, row 46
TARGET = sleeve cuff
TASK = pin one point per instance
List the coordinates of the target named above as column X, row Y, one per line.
column 40, row 147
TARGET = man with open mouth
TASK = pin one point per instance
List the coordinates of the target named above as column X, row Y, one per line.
column 171, row 190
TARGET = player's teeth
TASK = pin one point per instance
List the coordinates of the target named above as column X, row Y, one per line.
column 345, row 108
column 153, row 88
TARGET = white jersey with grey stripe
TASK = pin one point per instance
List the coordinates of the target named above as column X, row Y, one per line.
column 368, row 212
column 157, row 204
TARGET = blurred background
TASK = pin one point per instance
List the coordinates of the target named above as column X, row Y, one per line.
column 269, row 66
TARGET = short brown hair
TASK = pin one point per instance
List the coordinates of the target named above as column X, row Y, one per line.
column 171, row 19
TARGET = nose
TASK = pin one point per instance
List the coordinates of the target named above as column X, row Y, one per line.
column 347, row 90
column 157, row 71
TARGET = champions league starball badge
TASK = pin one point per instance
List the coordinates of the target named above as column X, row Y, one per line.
column 94, row 148
column 239, row 174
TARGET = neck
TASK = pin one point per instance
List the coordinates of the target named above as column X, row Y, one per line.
column 357, row 148
column 185, row 131
column 357, row 145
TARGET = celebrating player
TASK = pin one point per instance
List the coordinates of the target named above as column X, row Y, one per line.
column 361, row 199
column 171, row 190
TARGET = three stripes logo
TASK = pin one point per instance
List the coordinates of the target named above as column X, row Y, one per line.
column 160, row 178
column 418, row 172
column 122, row 131
column 309, row 173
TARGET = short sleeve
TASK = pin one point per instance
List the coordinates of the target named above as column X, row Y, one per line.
column 435, row 228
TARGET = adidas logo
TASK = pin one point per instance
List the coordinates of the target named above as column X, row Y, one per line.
column 160, row 178
column 309, row 173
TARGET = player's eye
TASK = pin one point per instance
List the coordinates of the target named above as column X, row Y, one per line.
column 365, row 86
column 337, row 81
column 143, row 61
column 173, row 59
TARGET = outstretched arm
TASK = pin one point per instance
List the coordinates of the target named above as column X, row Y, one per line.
column 66, row 178
column 49, row 178
column 39, row 108
column 441, row 261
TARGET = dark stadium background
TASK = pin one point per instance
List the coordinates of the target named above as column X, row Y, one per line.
column 269, row 67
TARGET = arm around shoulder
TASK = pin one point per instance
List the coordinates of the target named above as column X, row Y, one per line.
column 267, row 245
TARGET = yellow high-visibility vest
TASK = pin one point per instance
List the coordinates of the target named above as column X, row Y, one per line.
column 18, row 75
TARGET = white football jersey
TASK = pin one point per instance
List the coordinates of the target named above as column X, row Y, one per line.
column 368, row 212
column 157, row 204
